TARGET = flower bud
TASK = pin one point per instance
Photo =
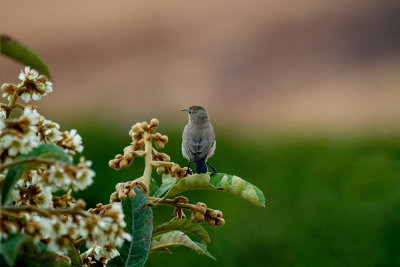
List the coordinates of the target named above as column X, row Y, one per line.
column 161, row 170
column 214, row 213
column 131, row 194
column 159, row 144
column 197, row 217
column 8, row 87
column 144, row 126
column 181, row 199
column 154, row 123
column 219, row 221
column 79, row 205
column 114, row 197
column 123, row 163
column 211, row 222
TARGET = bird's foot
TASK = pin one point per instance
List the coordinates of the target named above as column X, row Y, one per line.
column 189, row 172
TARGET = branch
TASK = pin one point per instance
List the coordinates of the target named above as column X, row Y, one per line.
column 172, row 202
column 28, row 160
column 148, row 161
column 44, row 212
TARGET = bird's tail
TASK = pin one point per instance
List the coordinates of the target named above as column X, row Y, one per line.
column 201, row 166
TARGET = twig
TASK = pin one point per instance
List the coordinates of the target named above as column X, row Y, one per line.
column 171, row 202
column 43, row 212
column 27, row 160
column 79, row 242
column 148, row 161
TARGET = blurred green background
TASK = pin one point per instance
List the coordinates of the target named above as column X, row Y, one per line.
column 331, row 200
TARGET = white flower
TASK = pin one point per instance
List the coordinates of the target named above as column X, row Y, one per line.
column 49, row 130
column 14, row 196
column 76, row 140
column 28, row 74
column 26, row 97
column 49, row 87
column 71, row 142
column 58, row 178
column 19, row 144
column 33, row 85
column 31, row 114
column 83, row 178
column 99, row 252
column 44, row 199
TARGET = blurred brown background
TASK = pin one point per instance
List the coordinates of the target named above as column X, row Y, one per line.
column 318, row 64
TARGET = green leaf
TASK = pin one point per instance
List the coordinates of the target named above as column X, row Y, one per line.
column 44, row 151
column 153, row 186
column 162, row 249
column 73, row 254
column 9, row 248
column 222, row 182
column 167, row 182
column 177, row 238
column 185, row 226
column 139, row 220
column 19, row 52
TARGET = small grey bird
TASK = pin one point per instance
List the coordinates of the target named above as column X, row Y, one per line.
column 198, row 139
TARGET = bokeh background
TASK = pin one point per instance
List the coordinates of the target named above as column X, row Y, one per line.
column 304, row 96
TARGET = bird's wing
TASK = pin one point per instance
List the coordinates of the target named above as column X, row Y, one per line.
column 201, row 146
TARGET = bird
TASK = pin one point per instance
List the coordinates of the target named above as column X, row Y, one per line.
column 198, row 139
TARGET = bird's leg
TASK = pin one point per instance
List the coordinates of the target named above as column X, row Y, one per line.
column 190, row 171
column 214, row 171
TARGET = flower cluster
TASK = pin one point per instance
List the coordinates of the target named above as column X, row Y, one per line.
column 19, row 136
column 142, row 134
column 210, row 216
column 33, row 86
column 126, row 190
column 33, row 208
column 59, row 229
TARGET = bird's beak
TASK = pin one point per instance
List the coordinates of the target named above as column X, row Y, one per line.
column 185, row 109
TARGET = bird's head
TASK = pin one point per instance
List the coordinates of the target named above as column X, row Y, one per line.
column 196, row 112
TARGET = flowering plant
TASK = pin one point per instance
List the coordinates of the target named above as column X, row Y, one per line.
column 42, row 223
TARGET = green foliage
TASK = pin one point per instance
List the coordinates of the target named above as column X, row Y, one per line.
column 43, row 151
column 177, row 238
column 167, row 182
column 10, row 247
column 73, row 254
column 153, row 187
column 139, row 220
column 19, row 52
column 221, row 182
column 185, row 226
column 20, row 250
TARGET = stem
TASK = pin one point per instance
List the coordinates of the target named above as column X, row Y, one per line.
column 27, row 160
column 44, row 212
column 171, row 202
column 79, row 242
column 163, row 163
column 148, row 161
column 12, row 103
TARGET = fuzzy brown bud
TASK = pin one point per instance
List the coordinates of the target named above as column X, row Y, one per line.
column 159, row 144
column 211, row 221
column 80, row 205
column 161, row 170
column 219, row 221
column 145, row 126
column 196, row 217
